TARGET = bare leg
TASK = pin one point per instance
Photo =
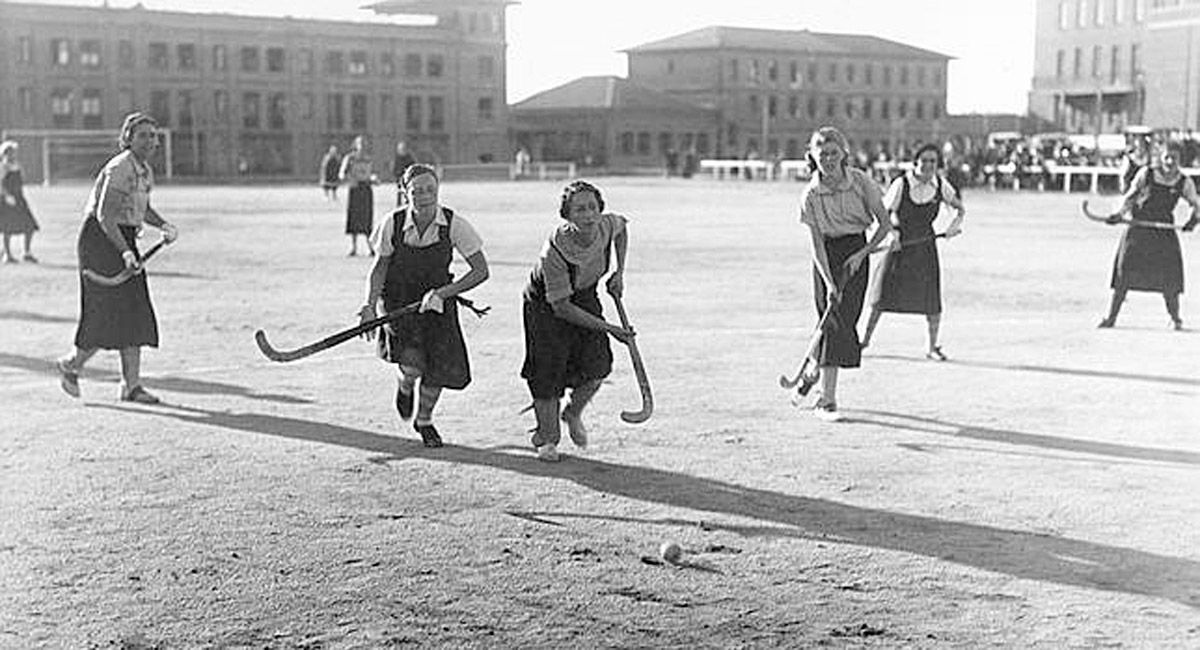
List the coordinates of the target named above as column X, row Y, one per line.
column 427, row 398
column 29, row 248
column 1172, row 302
column 934, row 322
column 131, row 368
column 8, row 256
column 829, row 377
column 872, row 322
column 353, row 245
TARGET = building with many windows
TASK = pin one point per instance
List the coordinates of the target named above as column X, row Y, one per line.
column 1100, row 65
column 258, row 95
column 771, row 88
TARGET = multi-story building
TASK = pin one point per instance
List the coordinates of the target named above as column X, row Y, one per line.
column 1100, row 65
column 772, row 88
column 259, row 95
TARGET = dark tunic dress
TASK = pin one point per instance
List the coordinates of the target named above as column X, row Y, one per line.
column 15, row 217
column 117, row 317
column 436, row 338
column 840, row 346
column 1149, row 259
column 359, row 209
column 329, row 171
column 560, row 354
column 909, row 280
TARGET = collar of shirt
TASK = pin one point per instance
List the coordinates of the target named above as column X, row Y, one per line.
column 915, row 181
column 845, row 185
column 439, row 219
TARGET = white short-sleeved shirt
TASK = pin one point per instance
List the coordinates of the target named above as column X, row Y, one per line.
column 356, row 167
column 919, row 192
column 463, row 236
column 590, row 261
column 130, row 180
column 840, row 210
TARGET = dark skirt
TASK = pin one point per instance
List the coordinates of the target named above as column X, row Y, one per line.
column 431, row 341
column 17, row 219
column 359, row 209
column 561, row 355
column 1148, row 260
column 840, row 346
column 112, row 318
column 909, row 281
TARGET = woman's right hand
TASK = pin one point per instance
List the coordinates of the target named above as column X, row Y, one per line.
column 131, row 261
column 365, row 315
column 622, row 334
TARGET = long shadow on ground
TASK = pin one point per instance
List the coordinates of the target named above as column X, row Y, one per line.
column 168, row 383
column 153, row 272
column 1073, row 372
column 1016, row 553
column 33, row 317
column 941, row 427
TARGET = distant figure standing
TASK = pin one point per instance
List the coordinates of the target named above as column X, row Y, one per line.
column 522, row 161
column 15, row 216
column 330, row 166
column 400, row 164
column 1150, row 259
column 356, row 172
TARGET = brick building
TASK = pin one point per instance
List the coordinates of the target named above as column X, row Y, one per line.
column 1102, row 64
column 611, row 122
column 259, row 95
column 772, row 88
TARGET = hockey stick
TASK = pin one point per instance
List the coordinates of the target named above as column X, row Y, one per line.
column 639, row 369
column 284, row 356
column 124, row 274
column 1157, row 225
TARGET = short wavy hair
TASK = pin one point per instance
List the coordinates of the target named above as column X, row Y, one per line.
column 415, row 170
column 131, row 123
column 832, row 134
column 578, row 187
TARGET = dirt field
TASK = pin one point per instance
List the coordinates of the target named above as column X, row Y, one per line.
column 1038, row 490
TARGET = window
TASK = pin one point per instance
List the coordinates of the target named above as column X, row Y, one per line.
column 733, row 69
column 185, row 53
column 793, row 107
column 487, row 67
column 866, row 108
column 812, row 108
column 277, row 111
column 335, row 62
column 885, row 110
column 850, row 72
column 218, row 58
column 307, row 106
column 89, row 107
column 25, row 50
column 665, row 142
column 1082, row 14
column 434, row 66
column 335, row 112
column 1098, row 15
column 306, row 61
column 643, row 143
column 1134, row 50
column 385, row 111
column 755, row 73
column 60, row 107
column 276, row 59
column 921, row 76
column 1064, row 14
column 670, row 66
column 772, row 106
column 868, row 74
column 902, row 109
column 1139, row 10
column 89, row 54
column 1059, row 62
column 1078, row 67
column 937, row 78
column 903, row 75
column 60, row 52
column 1114, row 64
column 627, row 143
column 159, row 58
column 250, row 59
column 702, row 143
column 887, row 75
column 25, row 99
column 487, row 109
column 772, row 71
column 1118, row 11
column 221, row 105
column 412, row 113
column 1097, row 54
column 833, row 72
column 830, row 107
column 412, row 65
column 935, row 110
column 358, row 112
column 794, row 73
column 755, row 109
column 358, row 63
column 160, row 106
column 251, row 110
column 849, row 108
column 437, row 114
column 919, row 107
column 812, row 73
column 387, row 64
column 186, row 114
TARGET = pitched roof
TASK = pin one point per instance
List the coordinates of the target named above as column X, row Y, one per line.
column 603, row 92
column 748, row 38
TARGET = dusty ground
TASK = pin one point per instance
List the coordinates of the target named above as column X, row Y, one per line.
column 1039, row 490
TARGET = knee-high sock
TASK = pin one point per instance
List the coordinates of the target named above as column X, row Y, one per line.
column 1172, row 302
column 1114, row 307
column 580, row 397
column 427, row 398
column 546, row 412
column 408, row 377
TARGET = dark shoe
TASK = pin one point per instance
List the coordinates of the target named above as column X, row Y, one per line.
column 1177, row 324
column 429, row 435
column 404, row 403
column 1107, row 323
column 30, row 258
column 139, row 395
column 67, row 378
column 935, row 354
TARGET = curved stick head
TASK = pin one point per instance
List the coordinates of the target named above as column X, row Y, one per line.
column 264, row 346
column 637, row 417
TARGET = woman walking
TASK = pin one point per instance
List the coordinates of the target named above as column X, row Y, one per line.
column 839, row 205
column 328, row 172
column 566, row 336
column 120, row 317
column 360, row 206
column 15, row 216
column 1148, row 258
column 416, row 245
column 909, row 280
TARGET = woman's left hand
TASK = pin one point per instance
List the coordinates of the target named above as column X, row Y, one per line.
column 170, row 232
column 616, row 284
column 955, row 228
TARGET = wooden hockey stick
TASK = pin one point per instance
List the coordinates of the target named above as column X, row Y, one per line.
column 124, row 274
column 639, row 369
column 283, row 356
column 1138, row 223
